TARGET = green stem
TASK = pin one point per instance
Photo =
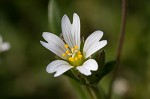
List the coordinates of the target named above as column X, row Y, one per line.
column 98, row 92
column 120, row 47
column 81, row 92
column 92, row 94
column 95, row 92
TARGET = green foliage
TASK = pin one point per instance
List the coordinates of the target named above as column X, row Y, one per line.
column 22, row 68
column 109, row 66
column 54, row 17
column 94, row 79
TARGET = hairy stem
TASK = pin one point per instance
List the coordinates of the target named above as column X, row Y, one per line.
column 93, row 96
column 98, row 92
column 120, row 46
column 95, row 92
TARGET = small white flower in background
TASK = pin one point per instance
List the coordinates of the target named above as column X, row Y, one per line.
column 4, row 46
column 121, row 86
column 70, row 50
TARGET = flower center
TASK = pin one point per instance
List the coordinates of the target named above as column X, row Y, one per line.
column 73, row 55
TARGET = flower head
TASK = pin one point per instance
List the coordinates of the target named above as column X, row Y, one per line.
column 4, row 46
column 69, row 49
column 121, row 86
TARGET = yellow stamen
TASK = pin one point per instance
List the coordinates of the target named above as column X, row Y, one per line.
column 66, row 45
column 67, row 52
column 79, row 53
column 72, row 49
column 63, row 54
column 71, row 59
column 76, row 58
column 76, row 47
column 80, row 56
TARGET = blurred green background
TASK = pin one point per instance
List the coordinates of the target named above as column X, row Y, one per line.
column 22, row 68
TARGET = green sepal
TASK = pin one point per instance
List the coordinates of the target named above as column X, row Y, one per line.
column 100, row 58
column 101, row 72
column 76, row 75
column 94, row 79
column 109, row 66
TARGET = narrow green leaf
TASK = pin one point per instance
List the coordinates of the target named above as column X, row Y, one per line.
column 54, row 17
column 109, row 66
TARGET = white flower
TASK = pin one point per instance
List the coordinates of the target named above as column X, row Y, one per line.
column 121, row 86
column 70, row 50
column 4, row 46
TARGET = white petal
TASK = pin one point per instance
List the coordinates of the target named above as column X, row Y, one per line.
column 53, row 48
column 55, row 44
column 66, row 30
column 95, row 47
column 71, row 32
column 94, row 37
column 92, row 42
column 88, row 66
column 91, row 64
column 84, row 71
column 58, row 66
column 1, row 39
column 52, row 38
column 76, row 29
column 5, row 46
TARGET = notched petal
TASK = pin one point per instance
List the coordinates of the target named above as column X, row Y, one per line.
column 54, row 44
column 88, row 66
column 58, row 66
column 92, row 43
column 83, row 70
